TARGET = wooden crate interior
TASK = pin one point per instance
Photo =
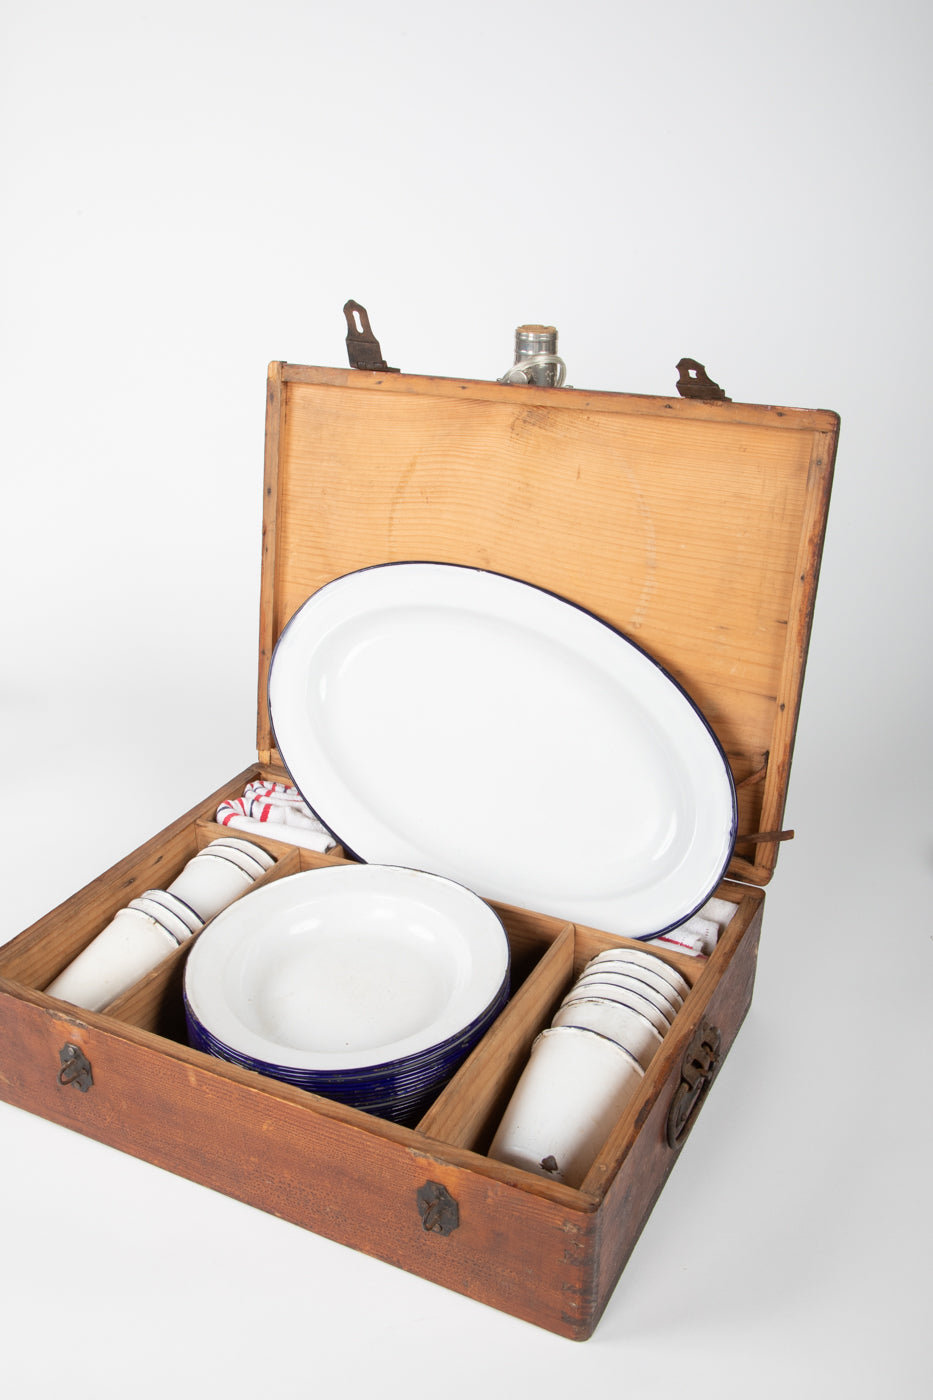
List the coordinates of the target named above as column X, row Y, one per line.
column 547, row 954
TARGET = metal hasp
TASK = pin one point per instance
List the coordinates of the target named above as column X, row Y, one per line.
column 695, row 383
column 439, row 1212
column 362, row 346
column 76, row 1069
column 701, row 1061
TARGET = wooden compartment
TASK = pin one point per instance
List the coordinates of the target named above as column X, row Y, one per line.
column 695, row 528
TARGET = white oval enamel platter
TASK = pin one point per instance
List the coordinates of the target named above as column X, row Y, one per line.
column 346, row 967
column 463, row 722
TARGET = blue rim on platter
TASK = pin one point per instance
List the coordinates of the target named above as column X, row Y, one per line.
column 462, row 721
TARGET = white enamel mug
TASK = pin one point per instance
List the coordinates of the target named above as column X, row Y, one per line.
column 162, row 915
column 572, row 1091
column 631, row 972
column 628, row 1028
column 650, row 961
column 667, row 1000
column 129, row 947
column 247, row 863
column 611, row 991
column 247, row 848
column 209, row 882
column 182, row 911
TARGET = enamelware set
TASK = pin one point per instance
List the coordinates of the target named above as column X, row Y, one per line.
column 442, row 722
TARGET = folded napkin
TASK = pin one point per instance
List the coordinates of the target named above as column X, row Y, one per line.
column 276, row 810
column 699, row 935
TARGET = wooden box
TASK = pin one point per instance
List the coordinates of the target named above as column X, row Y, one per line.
column 695, row 528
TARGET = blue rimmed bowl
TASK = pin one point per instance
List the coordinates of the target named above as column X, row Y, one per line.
column 368, row 984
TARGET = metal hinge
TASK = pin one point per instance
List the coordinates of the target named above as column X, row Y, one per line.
column 695, row 383
column 362, row 346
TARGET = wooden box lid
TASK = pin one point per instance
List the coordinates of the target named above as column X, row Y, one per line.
column 694, row 527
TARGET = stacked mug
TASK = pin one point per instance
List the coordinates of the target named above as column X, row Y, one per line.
column 587, row 1066
column 158, row 921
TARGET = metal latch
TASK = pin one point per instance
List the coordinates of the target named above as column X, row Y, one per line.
column 700, row 1063
column 75, row 1068
column 362, row 346
column 439, row 1212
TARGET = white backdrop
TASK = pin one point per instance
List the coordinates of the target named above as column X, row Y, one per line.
column 194, row 189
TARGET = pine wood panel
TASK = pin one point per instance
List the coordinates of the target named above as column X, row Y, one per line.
column 693, row 528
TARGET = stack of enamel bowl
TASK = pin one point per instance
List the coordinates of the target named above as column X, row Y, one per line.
column 368, row 984
column 587, row 1067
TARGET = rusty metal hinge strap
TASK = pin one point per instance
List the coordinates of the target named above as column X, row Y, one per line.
column 695, row 383
column 363, row 348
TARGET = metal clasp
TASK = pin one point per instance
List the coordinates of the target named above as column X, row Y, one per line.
column 76, row 1068
column 439, row 1212
column 701, row 1061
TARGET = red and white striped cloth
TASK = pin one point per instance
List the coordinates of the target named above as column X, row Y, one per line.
column 699, row 935
column 266, row 804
